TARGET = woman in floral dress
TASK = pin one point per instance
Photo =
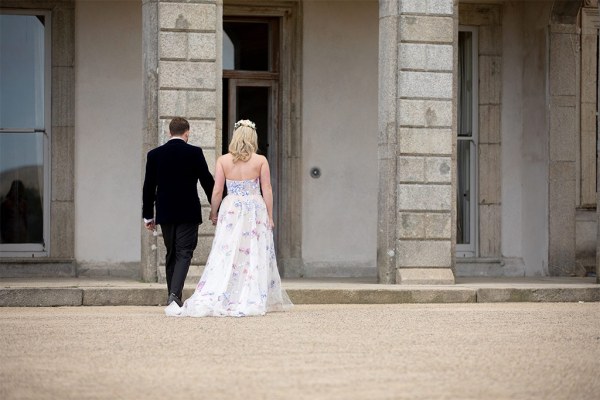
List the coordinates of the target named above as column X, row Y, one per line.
column 241, row 276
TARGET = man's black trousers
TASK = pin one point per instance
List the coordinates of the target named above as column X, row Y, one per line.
column 180, row 241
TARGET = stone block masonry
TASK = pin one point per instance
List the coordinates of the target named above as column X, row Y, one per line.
column 187, row 78
column 416, row 137
column 183, row 70
column 188, row 72
column 562, row 172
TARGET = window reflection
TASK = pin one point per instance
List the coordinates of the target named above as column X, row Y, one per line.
column 463, row 223
column 21, row 187
column 228, row 52
column 22, row 71
column 465, row 83
column 23, row 68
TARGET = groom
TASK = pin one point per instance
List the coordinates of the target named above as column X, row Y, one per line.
column 172, row 174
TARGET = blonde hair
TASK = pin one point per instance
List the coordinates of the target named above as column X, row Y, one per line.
column 244, row 141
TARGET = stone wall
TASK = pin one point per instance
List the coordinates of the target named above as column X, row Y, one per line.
column 417, row 120
column 564, row 67
column 108, row 124
column 339, row 136
column 182, row 71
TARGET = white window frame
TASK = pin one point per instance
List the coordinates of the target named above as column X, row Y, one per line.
column 472, row 249
column 31, row 250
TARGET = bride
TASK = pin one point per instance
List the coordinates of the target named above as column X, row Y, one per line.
column 240, row 278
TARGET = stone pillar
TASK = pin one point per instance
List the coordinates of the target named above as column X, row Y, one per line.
column 564, row 64
column 150, row 123
column 182, row 77
column 598, row 181
column 590, row 109
column 62, row 199
column 416, row 141
column 594, row 3
column 387, row 141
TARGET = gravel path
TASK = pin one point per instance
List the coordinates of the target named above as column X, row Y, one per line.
column 430, row 351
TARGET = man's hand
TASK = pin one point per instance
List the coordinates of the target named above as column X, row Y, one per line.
column 150, row 225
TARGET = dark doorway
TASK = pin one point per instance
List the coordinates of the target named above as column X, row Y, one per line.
column 251, row 86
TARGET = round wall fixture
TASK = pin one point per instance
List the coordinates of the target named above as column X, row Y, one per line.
column 315, row 172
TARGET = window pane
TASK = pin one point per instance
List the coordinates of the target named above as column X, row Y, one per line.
column 22, row 71
column 465, row 84
column 250, row 41
column 228, row 53
column 463, row 215
column 21, row 187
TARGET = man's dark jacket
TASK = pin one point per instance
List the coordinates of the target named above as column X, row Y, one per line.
column 172, row 174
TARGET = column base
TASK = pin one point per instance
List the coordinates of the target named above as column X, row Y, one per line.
column 424, row 276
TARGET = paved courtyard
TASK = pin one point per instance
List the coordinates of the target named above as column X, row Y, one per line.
column 404, row 351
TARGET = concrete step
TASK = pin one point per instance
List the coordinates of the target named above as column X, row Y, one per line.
column 99, row 293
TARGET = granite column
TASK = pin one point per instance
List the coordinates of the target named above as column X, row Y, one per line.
column 417, row 121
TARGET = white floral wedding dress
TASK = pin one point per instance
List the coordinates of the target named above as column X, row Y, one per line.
column 241, row 277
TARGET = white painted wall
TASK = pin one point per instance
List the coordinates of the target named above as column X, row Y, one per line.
column 339, row 127
column 512, row 129
column 535, row 138
column 525, row 136
column 108, row 139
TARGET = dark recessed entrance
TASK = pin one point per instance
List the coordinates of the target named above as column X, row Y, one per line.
column 251, row 86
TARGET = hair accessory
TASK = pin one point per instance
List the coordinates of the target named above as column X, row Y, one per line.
column 244, row 122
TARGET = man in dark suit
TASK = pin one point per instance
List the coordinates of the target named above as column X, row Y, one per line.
column 172, row 174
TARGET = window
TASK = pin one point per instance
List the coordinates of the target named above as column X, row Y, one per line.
column 24, row 133
column 250, row 79
column 466, row 224
column 246, row 45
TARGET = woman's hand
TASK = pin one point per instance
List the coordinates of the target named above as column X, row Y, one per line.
column 271, row 224
column 213, row 218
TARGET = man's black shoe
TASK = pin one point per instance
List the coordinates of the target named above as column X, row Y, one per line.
column 173, row 298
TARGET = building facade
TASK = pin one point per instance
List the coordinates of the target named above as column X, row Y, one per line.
column 412, row 141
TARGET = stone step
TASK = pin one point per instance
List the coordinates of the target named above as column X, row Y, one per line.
column 154, row 295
